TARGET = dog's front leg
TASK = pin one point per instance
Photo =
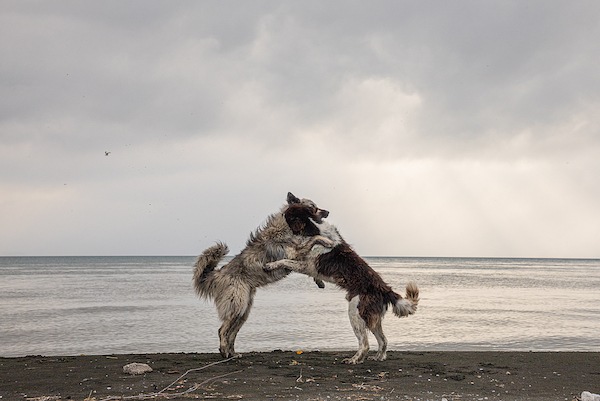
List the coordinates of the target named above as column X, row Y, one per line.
column 272, row 268
column 294, row 265
column 280, row 264
column 316, row 240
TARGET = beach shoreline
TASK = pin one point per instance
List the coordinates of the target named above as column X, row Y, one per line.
column 283, row 375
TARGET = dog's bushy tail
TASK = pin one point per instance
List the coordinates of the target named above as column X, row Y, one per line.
column 205, row 266
column 407, row 306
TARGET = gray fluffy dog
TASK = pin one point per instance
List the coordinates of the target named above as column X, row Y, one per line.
column 233, row 286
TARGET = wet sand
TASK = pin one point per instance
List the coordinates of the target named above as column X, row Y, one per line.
column 287, row 375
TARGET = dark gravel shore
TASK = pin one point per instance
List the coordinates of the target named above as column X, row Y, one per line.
column 289, row 375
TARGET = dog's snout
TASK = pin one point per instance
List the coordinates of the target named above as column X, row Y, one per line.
column 324, row 213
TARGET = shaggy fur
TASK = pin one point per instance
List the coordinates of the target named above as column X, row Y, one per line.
column 336, row 262
column 233, row 286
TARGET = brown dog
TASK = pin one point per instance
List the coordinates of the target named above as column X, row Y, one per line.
column 336, row 262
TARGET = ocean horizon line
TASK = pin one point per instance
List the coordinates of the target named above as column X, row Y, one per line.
column 364, row 256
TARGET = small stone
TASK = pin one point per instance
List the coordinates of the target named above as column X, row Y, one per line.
column 137, row 368
column 587, row 396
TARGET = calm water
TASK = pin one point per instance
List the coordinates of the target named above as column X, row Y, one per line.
column 103, row 305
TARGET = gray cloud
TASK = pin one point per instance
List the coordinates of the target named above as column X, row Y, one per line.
column 428, row 129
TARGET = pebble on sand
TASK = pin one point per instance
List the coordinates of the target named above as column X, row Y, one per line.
column 136, row 368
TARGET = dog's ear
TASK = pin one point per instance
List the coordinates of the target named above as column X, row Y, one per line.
column 291, row 198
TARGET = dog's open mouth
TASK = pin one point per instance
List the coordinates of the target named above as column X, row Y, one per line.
column 320, row 215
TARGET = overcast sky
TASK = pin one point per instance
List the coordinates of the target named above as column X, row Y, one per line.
column 460, row 128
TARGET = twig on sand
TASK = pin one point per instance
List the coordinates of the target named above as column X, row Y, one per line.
column 162, row 393
column 197, row 369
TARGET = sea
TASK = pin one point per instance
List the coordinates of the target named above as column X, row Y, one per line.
column 146, row 304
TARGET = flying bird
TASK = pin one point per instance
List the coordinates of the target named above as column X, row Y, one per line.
column 106, row 153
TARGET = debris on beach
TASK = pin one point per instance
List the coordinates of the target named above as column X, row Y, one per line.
column 587, row 396
column 136, row 368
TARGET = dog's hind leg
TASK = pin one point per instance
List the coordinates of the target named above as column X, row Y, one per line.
column 228, row 332
column 223, row 344
column 381, row 341
column 239, row 322
column 234, row 308
column 360, row 330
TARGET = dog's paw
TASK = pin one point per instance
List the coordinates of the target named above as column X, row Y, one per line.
column 272, row 266
column 378, row 357
column 351, row 361
column 226, row 352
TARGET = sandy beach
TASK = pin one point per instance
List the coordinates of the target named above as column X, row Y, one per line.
column 287, row 375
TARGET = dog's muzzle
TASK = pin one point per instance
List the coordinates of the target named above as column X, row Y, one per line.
column 320, row 215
